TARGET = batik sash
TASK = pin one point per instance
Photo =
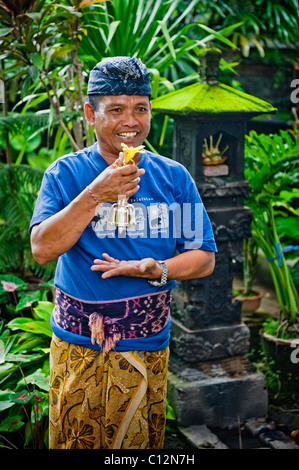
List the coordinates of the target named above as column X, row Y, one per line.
column 106, row 323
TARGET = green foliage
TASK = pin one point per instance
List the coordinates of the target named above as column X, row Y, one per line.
column 271, row 168
column 282, row 385
column 19, row 186
column 155, row 31
column 39, row 48
column 250, row 256
column 264, row 22
column 24, row 365
column 48, row 49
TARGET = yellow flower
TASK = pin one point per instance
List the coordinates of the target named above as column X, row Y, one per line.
column 130, row 152
column 80, row 435
column 82, row 358
column 157, row 362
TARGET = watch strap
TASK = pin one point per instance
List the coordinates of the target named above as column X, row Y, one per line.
column 163, row 279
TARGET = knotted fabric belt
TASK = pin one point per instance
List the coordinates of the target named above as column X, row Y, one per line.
column 108, row 322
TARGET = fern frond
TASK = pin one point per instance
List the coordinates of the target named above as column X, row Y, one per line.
column 15, row 123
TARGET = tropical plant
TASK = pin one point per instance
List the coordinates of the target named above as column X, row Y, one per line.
column 265, row 23
column 250, row 257
column 271, row 167
column 40, row 40
column 48, row 48
column 19, row 186
column 24, row 364
column 159, row 36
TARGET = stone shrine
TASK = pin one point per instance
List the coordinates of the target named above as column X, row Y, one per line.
column 210, row 380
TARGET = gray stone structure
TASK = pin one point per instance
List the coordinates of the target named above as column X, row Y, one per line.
column 210, row 380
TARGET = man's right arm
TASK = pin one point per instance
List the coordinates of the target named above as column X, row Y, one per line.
column 58, row 233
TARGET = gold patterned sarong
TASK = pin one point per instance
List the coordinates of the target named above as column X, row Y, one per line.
column 115, row 400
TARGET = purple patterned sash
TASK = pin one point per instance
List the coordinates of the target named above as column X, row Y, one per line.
column 108, row 322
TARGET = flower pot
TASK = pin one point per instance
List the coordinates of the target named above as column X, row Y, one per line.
column 250, row 303
column 283, row 357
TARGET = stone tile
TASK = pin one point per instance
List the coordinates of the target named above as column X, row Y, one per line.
column 278, row 441
column 256, row 425
column 201, row 437
column 269, row 434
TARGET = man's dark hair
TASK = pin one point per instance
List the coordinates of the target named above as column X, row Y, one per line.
column 94, row 101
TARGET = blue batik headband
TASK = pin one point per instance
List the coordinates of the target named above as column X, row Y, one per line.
column 119, row 76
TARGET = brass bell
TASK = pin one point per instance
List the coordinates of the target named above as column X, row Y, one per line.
column 122, row 214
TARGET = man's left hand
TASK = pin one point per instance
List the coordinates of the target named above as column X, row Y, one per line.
column 146, row 268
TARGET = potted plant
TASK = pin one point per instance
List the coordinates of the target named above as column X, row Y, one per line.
column 249, row 296
column 271, row 169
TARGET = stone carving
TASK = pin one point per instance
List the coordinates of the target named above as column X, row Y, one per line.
column 237, row 227
column 236, row 343
column 185, row 147
column 227, row 190
column 209, row 343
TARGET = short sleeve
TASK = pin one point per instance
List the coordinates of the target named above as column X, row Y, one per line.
column 192, row 223
column 48, row 203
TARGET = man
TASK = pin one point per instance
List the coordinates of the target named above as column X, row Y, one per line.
column 109, row 353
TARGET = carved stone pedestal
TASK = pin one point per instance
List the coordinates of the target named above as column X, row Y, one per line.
column 210, row 380
column 221, row 393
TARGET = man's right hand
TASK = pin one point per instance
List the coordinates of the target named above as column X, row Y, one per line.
column 116, row 180
column 57, row 234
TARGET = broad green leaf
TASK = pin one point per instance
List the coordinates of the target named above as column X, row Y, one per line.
column 36, row 16
column 34, row 73
column 62, row 51
column 112, row 29
column 21, row 397
column 44, row 310
column 22, row 141
column 5, row 31
column 36, row 59
column 6, row 368
column 2, row 351
column 22, row 358
column 289, row 195
column 25, row 84
column 30, row 343
column 170, row 413
column 33, row 326
column 288, row 226
column 37, row 378
column 11, row 283
column 28, row 298
column 5, row 401
column 155, row 75
column 48, row 284
column 11, row 423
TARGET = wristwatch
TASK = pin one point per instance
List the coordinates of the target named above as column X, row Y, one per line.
column 163, row 277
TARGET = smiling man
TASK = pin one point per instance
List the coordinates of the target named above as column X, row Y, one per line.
column 111, row 322
column 119, row 119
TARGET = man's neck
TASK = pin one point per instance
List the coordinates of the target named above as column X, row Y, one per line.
column 108, row 157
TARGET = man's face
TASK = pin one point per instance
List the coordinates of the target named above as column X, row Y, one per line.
column 121, row 119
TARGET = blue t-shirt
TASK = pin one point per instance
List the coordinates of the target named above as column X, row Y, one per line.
column 169, row 214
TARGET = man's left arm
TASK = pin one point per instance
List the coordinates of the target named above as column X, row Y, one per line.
column 188, row 265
